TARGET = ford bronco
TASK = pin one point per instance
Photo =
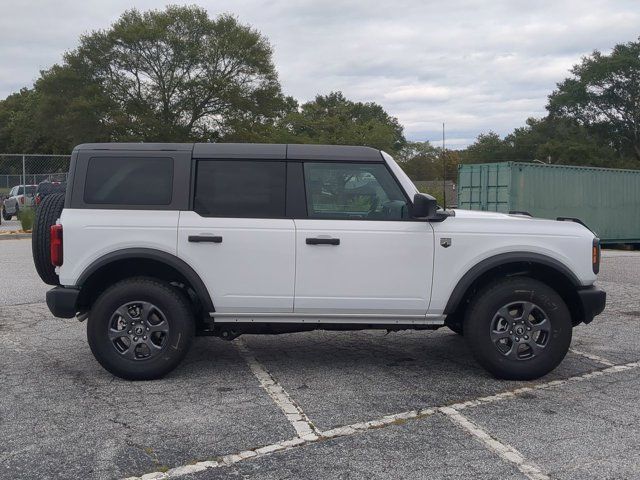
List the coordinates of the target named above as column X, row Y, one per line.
column 156, row 243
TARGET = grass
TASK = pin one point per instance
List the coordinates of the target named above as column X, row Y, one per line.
column 26, row 217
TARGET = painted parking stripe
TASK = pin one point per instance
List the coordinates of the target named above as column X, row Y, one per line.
column 542, row 386
column 503, row 450
column 591, row 356
column 388, row 420
column 298, row 419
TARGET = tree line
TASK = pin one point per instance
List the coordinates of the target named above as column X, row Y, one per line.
column 177, row 75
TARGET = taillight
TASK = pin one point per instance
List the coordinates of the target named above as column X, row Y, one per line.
column 38, row 200
column 22, row 200
column 56, row 245
column 595, row 255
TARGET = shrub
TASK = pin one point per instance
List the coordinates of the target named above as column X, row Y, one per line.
column 26, row 217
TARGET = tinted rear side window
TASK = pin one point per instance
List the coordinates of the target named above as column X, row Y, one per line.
column 240, row 188
column 129, row 181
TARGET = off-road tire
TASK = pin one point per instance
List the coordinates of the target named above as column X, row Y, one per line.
column 176, row 311
column 46, row 215
column 5, row 215
column 455, row 324
column 484, row 310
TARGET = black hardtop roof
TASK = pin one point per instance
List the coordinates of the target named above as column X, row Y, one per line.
column 250, row 150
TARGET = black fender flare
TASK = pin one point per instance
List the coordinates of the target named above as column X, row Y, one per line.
column 152, row 254
column 490, row 263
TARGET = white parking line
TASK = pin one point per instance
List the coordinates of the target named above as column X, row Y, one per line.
column 298, row 419
column 593, row 357
column 542, row 386
column 395, row 418
column 356, row 428
column 503, row 450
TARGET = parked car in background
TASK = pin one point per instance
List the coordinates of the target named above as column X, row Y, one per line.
column 19, row 197
column 47, row 188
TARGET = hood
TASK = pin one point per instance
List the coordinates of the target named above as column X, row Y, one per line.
column 517, row 222
column 481, row 214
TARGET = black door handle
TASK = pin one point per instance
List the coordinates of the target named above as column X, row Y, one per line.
column 323, row 241
column 205, row 238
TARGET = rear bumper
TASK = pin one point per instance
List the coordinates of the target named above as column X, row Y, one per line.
column 62, row 301
column 593, row 301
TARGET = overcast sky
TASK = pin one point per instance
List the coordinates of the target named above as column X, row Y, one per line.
column 477, row 65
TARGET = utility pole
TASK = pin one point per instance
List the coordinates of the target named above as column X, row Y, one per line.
column 444, row 172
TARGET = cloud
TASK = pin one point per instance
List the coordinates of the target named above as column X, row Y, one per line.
column 477, row 65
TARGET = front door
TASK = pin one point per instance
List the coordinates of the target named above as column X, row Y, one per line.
column 236, row 238
column 358, row 252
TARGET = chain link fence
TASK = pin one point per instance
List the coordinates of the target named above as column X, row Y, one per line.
column 31, row 169
column 18, row 170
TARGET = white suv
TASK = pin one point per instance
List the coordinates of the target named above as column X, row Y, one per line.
column 166, row 241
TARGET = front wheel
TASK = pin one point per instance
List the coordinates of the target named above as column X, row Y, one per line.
column 5, row 215
column 518, row 328
column 140, row 329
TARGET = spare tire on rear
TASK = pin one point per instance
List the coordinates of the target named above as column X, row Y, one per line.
column 47, row 213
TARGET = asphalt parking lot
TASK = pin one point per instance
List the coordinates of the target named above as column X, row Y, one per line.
column 316, row 405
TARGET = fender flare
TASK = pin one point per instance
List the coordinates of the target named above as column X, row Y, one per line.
column 487, row 264
column 152, row 254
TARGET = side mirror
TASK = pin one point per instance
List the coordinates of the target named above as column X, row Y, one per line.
column 424, row 206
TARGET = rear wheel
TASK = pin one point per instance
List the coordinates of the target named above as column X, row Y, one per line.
column 140, row 329
column 518, row 328
column 5, row 215
column 46, row 215
column 454, row 323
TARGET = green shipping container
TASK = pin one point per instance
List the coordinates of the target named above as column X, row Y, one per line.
column 607, row 200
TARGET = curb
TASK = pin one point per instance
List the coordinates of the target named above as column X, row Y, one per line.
column 16, row 236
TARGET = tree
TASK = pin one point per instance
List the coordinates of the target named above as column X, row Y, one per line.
column 72, row 109
column 488, row 147
column 333, row 119
column 602, row 95
column 562, row 141
column 16, row 112
column 178, row 75
column 170, row 75
column 423, row 161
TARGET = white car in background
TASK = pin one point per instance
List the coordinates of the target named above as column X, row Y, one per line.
column 18, row 199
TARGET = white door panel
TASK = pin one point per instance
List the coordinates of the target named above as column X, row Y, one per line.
column 251, row 269
column 379, row 267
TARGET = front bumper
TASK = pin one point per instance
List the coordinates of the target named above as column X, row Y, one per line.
column 62, row 301
column 592, row 301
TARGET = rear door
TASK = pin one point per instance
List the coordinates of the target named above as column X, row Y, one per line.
column 236, row 236
column 358, row 252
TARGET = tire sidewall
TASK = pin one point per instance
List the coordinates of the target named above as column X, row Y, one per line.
column 482, row 311
column 177, row 314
